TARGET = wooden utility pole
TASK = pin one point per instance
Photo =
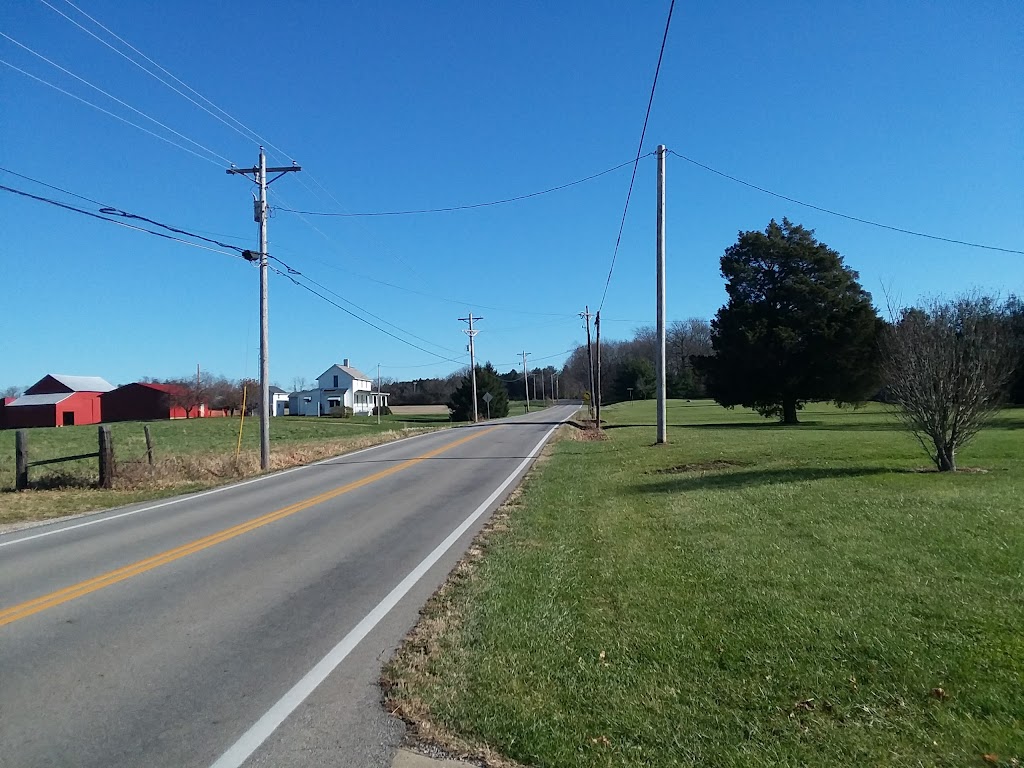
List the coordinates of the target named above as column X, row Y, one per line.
column 590, row 356
column 472, row 358
column 660, row 372
column 259, row 176
column 597, row 327
column 526, row 382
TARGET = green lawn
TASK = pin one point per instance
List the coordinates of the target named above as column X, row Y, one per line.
column 750, row 594
column 191, row 454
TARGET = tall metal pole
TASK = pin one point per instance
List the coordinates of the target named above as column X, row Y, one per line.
column 597, row 327
column 662, row 427
column 472, row 359
column 259, row 175
column 526, row 382
column 264, row 322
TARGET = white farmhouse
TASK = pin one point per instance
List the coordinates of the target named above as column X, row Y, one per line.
column 340, row 386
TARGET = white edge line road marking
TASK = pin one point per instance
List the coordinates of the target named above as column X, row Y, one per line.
column 251, row 740
column 193, row 496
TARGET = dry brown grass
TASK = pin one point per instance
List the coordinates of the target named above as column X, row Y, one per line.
column 441, row 618
column 61, row 495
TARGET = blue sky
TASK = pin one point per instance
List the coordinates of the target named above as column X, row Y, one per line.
column 908, row 113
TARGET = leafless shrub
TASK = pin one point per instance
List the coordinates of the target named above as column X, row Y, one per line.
column 947, row 366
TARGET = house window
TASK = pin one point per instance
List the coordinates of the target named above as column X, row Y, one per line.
column 335, row 382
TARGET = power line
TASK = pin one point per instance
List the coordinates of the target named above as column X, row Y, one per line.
column 639, row 149
column 84, row 212
column 115, row 98
column 451, row 208
column 459, row 302
column 292, row 271
column 107, row 210
column 137, row 64
column 843, row 215
column 361, row 319
column 108, row 112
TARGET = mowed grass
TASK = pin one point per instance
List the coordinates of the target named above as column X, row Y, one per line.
column 750, row 594
column 191, row 454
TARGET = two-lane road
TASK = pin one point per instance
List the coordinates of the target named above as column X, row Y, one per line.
column 245, row 625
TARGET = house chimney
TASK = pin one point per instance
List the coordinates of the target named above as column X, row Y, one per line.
column 345, row 362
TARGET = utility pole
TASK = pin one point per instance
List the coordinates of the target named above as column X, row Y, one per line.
column 590, row 356
column 259, row 176
column 472, row 357
column 597, row 326
column 662, row 428
column 380, row 397
column 526, row 382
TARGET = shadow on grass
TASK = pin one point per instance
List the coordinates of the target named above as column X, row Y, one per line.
column 753, row 477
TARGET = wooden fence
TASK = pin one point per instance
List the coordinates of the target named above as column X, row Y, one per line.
column 104, row 453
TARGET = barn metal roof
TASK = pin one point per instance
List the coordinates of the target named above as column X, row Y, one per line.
column 53, row 399
column 83, row 383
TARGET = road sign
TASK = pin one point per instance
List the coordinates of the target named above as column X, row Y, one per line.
column 488, row 397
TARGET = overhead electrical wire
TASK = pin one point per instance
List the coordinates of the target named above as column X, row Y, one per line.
column 84, row 212
column 470, row 206
column 347, row 311
column 108, row 112
column 288, row 272
column 292, row 271
column 842, row 215
column 639, row 149
column 115, row 98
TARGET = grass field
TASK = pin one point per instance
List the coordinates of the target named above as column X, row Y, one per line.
column 190, row 454
column 750, row 594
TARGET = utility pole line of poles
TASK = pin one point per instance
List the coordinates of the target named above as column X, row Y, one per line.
column 662, row 418
column 472, row 358
column 590, row 356
column 380, row 397
column 259, row 176
column 526, row 382
column 597, row 327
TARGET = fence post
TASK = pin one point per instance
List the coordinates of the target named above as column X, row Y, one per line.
column 106, row 458
column 21, row 459
column 149, row 444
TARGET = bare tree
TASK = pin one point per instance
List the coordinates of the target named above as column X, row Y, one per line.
column 299, row 384
column 12, row 392
column 947, row 366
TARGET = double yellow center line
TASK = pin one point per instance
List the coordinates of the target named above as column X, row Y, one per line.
column 82, row 588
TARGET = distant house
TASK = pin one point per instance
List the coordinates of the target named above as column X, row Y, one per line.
column 339, row 387
column 278, row 402
column 145, row 401
column 57, row 400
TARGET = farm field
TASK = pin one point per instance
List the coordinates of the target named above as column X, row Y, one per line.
column 749, row 594
column 190, row 454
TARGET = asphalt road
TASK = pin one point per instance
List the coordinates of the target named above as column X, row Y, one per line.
column 245, row 626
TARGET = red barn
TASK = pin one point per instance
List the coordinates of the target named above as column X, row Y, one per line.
column 143, row 401
column 57, row 400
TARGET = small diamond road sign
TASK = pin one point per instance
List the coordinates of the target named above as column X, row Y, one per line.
column 488, row 397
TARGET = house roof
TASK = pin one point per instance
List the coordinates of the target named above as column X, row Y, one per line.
column 26, row 400
column 83, row 383
column 355, row 373
column 276, row 390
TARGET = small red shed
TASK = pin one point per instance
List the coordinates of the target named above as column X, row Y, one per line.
column 57, row 400
column 143, row 401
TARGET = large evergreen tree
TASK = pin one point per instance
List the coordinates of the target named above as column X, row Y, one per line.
column 797, row 326
column 487, row 380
